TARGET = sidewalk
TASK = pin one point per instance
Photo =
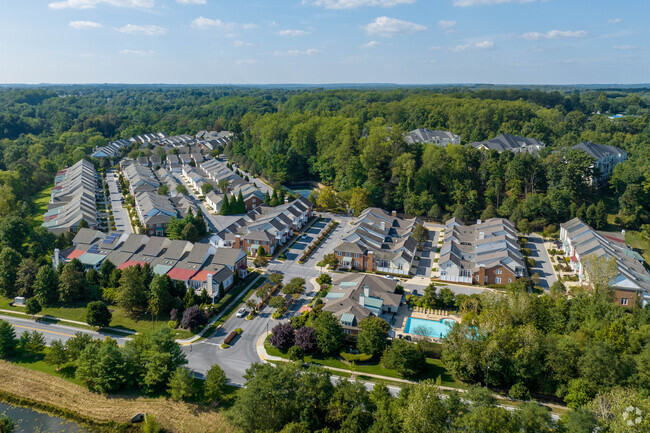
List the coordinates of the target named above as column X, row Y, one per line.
column 198, row 336
column 58, row 319
column 265, row 357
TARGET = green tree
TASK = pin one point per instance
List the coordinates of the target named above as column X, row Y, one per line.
column 32, row 307
column 105, row 271
column 97, row 314
column 32, row 342
column 181, row 189
column 25, row 277
column 215, row 383
column 372, row 338
column 132, row 294
column 71, row 282
column 206, row 188
column 181, row 385
column 57, row 355
column 404, row 357
column 10, row 260
column 350, row 407
column 160, row 299
column 359, row 200
column 327, row 198
column 524, row 226
column 163, row 189
column 420, row 234
column 488, row 419
column 601, row 271
column 424, row 410
column 225, row 206
column 8, row 341
column 329, row 332
column 578, row 421
column 6, row 424
column 579, row 393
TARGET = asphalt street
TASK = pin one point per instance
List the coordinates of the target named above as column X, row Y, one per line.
column 544, row 266
column 122, row 223
column 54, row 331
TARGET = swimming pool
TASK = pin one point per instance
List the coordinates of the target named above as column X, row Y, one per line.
column 430, row 328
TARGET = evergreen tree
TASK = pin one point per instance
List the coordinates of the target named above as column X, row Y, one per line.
column 241, row 205
column 220, row 290
column 215, row 383
column 225, row 206
column 181, row 385
column 57, row 355
column 72, row 282
column 267, row 198
column 8, row 341
column 10, row 260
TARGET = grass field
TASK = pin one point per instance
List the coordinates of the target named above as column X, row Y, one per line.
column 434, row 367
column 30, row 387
column 640, row 243
column 121, row 320
column 41, row 200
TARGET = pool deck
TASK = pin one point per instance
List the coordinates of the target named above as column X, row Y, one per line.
column 420, row 313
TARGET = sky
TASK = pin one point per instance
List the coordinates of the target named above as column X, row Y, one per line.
column 325, row 41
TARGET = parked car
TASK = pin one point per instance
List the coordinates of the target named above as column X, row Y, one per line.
column 241, row 313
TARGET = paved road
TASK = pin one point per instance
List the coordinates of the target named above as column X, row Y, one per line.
column 54, row 331
column 544, row 265
column 209, row 218
column 122, row 221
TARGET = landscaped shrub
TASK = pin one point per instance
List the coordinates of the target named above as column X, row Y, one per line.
column 305, row 338
column 283, row 336
column 518, row 391
column 193, row 318
column 295, row 353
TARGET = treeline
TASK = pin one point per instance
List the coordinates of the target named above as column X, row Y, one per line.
column 358, row 145
column 149, row 363
column 287, row 398
column 575, row 348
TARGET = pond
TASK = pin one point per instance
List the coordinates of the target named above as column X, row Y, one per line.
column 30, row 421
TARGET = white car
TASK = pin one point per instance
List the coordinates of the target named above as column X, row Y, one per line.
column 241, row 312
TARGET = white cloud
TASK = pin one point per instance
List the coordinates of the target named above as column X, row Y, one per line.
column 150, row 30
column 90, row 4
column 387, row 27
column 614, row 21
column 353, row 4
column 370, row 44
column 292, row 33
column 624, row 47
column 436, row 48
column 246, row 62
column 446, row 24
column 554, row 34
column 249, row 26
column 84, row 25
column 138, row 52
column 484, row 45
column 308, row 52
column 206, row 23
column 242, row 44
column 467, row 3
column 192, row 2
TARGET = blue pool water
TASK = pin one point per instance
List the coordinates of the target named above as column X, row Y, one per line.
column 431, row 328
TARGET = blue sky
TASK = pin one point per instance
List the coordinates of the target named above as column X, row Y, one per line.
column 324, row 41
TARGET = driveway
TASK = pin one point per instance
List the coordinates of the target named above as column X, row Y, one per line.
column 209, row 218
column 427, row 256
column 544, row 265
column 120, row 214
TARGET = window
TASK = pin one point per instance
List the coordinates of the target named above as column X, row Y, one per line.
column 356, row 255
column 623, row 301
column 498, row 280
column 356, row 264
column 509, row 280
column 486, row 278
column 499, row 271
column 477, row 278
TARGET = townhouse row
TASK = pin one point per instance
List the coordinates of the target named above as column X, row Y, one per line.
column 198, row 266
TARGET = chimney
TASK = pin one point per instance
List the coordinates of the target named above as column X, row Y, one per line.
column 383, row 225
column 394, row 213
column 55, row 258
column 481, row 235
column 366, row 291
column 286, row 200
column 238, row 241
column 478, row 221
column 210, row 288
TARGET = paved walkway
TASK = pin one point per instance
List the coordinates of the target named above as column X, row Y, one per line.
column 58, row 319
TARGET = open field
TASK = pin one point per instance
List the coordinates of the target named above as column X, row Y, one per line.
column 44, row 391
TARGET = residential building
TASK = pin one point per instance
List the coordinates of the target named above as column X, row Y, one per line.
column 485, row 253
column 354, row 297
column 632, row 282
column 73, row 199
column 199, row 266
column 512, row 143
column 265, row 226
column 378, row 242
column 605, row 159
column 425, row 135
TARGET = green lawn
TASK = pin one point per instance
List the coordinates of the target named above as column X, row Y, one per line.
column 434, row 367
column 121, row 320
column 41, row 200
column 639, row 242
column 36, row 363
